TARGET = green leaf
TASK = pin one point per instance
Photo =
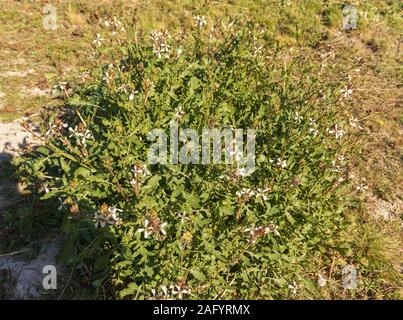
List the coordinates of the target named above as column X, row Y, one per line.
column 65, row 167
column 198, row 275
column 194, row 83
column 102, row 263
column 82, row 172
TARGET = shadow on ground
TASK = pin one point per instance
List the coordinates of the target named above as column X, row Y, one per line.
column 28, row 242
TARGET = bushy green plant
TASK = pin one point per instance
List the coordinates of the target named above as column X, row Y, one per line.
column 198, row 231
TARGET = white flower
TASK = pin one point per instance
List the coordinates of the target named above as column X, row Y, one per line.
column 335, row 166
column 124, row 88
column 179, row 113
column 114, row 214
column 200, row 21
column 146, row 230
column 100, row 220
column 252, row 231
column 241, row 172
column 176, row 290
column 361, row 187
column 162, row 50
column 341, row 158
column 346, row 92
column 293, row 287
column 80, row 136
column 257, row 50
column 112, row 217
column 45, row 188
column 133, row 182
column 150, row 229
column 61, row 86
column 86, row 135
column 272, row 228
column 162, row 228
column 313, row 127
column 256, row 232
column 84, row 76
column 337, row 131
column 98, row 40
column 314, row 131
column 235, row 150
column 338, row 163
column 115, row 25
column 172, row 291
column 140, row 170
column 245, row 191
column 281, row 163
column 131, row 97
column 183, row 217
column 298, row 117
column 165, row 291
column 160, row 46
column 53, row 128
column 62, row 206
column 321, row 281
column 354, row 123
column 106, row 77
column 312, row 122
column 260, row 192
column 73, row 132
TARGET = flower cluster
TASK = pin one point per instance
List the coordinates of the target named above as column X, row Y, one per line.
column 81, row 134
column 179, row 113
column 115, row 25
column 339, row 163
column 171, row 292
column 56, row 127
column 140, row 170
column 160, row 45
column 258, row 232
column 107, row 216
column 84, row 76
column 313, row 127
column 248, row 193
column 153, row 227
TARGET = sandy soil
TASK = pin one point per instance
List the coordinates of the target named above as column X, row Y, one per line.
column 23, row 278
